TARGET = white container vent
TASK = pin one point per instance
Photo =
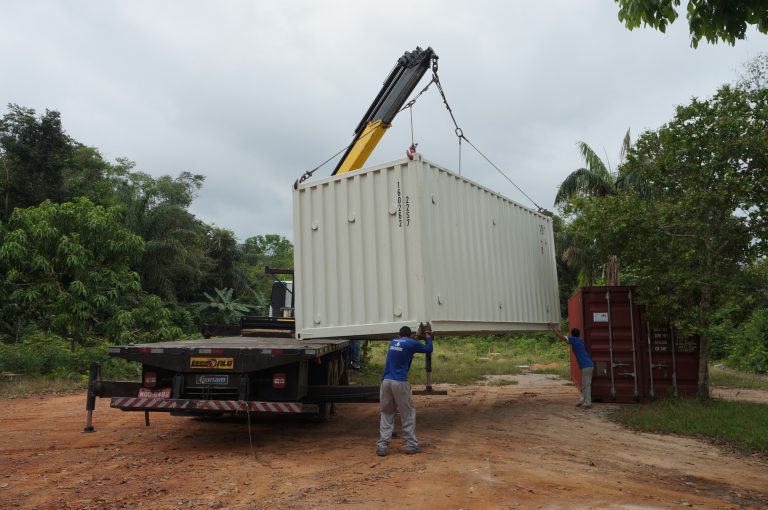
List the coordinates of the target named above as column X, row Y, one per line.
column 409, row 242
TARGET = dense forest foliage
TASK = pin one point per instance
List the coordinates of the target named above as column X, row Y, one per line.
column 93, row 252
column 685, row 217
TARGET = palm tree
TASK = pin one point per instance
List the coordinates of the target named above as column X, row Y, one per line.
column 595, row 179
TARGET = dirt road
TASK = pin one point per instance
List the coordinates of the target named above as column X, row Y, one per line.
column 521, row 446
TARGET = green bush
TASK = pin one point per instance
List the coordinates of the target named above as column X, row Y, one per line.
column 38, row 353
column 46, row 354
column 749, row 350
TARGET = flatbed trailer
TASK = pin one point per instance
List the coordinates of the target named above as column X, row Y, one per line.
column 211, row 377
column 265, row 369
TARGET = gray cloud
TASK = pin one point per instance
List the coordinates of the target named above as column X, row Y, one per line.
column 251, row 94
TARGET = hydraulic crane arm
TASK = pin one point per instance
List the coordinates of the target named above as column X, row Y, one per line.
column 393, row 94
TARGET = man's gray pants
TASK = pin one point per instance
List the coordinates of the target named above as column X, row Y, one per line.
column 586, row 386
column 396, row 396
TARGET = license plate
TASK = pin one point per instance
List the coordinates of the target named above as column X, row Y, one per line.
column 216, row 380
column 151, row 393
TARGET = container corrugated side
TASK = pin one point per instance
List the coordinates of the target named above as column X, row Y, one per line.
column 409, row 242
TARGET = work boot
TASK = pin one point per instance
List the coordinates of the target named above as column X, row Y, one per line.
column 579, row 404
column 381, row 452
column 411, row 451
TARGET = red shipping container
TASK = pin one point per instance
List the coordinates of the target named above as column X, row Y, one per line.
column 672, row 364
column 634, row 361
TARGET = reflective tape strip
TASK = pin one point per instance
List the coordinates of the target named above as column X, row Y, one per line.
column 208, row 405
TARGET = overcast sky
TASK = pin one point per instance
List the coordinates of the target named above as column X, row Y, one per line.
column 253, row 93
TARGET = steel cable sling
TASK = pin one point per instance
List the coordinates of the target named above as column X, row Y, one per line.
column 458, row 131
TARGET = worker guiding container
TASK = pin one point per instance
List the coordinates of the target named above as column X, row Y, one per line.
column 635, row 360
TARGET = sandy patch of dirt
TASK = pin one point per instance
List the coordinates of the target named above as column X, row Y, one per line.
column 747, row 395
column 514, row 446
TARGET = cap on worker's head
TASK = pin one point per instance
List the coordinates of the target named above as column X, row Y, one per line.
column 575, row 332
column 405, row 331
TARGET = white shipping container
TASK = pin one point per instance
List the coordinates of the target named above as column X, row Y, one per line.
column 409, row 242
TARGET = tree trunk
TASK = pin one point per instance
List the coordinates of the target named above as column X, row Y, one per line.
column 704, row 342
column 612, row 276
column 703, row 383
column 7, row 188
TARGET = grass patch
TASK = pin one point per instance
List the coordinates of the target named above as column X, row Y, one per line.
column 64, row 382
column 501, row 382
column 467, row 360
column 563, row 370
column 743, row 425
column 41, row 385
column 721, row 378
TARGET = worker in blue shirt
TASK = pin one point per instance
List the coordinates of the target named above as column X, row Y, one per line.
column 582, row 358
column 395, row 392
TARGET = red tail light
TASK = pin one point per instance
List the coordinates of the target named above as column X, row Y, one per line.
column 150, row 379
column 278, row 381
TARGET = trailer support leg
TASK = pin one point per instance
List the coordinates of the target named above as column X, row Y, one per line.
column 90, row 402
column 146, row 418
column 428, row 367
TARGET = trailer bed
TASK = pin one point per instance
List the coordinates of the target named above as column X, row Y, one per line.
column 233, row 354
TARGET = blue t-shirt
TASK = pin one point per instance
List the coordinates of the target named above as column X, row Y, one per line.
column 400, row 355
column 580, row 351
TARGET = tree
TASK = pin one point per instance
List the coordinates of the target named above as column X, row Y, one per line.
column 270, row 250
column 689, row 240
column 755, row 76
column 595, row 179
column 567, row 274
column 66, row 268
column 175, row 241
column 225, row 256
column 713, row 20
column 34, row 153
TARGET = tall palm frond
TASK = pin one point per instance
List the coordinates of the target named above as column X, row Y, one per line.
column 626, row 143
column 596, row 178
column 593, row 162
column 583, row 182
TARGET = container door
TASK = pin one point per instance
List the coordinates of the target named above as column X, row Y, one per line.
column 612, row 335
column 673, row 363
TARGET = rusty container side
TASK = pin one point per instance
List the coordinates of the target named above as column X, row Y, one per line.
column 672, row 363
column 610, row 325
